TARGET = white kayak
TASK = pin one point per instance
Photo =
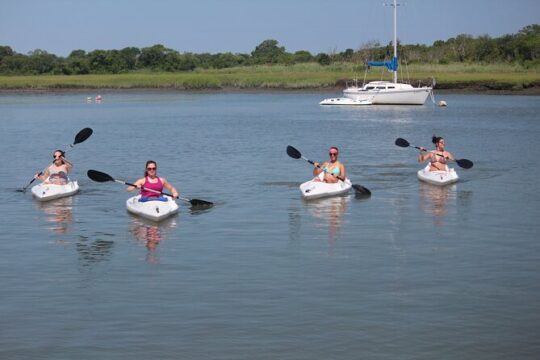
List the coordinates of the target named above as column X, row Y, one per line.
column 438, row 177
column 317, row 188
column 155, row 210
column 46, row 192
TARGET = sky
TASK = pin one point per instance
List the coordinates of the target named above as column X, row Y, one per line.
column 238, row 26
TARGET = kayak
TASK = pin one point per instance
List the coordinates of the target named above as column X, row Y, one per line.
column 438, row 177
column 46, row 192
column 154, row 210
column 317, row 188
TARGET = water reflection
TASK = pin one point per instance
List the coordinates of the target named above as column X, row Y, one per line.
column 330, row 211
column 95, row 249
column 434, row 200
column 150, row 234
column 58, row 213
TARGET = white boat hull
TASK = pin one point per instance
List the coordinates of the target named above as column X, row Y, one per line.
column 413, row 96
column 46, row 192
column 316, row 189
column 440, row 178
column 154, row 210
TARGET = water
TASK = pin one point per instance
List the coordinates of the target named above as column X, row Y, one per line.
column 414, row 272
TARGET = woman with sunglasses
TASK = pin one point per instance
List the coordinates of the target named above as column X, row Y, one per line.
column 333, row 169
column 57, row 172
column 438, row 157
column 151, row 181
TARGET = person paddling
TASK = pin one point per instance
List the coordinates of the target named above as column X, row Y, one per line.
column 57, row 172
column 439, row 157
column 333, row 169
column 151, row 181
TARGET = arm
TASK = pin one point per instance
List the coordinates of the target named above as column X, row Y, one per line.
column 139, row 183
column 318, row 168
column 423, row 156
column 449, row 156
column 342, row 174
column 68, row 164
column 169, row 187
column 44, row 175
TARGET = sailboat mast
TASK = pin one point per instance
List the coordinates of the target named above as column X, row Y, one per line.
column 395, row 38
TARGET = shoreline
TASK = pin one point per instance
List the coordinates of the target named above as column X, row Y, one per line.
column 531, row 91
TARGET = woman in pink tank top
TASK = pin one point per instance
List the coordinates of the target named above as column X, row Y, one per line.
column 152, row 185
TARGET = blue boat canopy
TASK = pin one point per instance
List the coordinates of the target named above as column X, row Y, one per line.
column 391, row 65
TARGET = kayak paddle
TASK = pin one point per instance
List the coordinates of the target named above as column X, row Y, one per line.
column 99, row 176
column 79, row 138
column 464, row 163
column 295, row 154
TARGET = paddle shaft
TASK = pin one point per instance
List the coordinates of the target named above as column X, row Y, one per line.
column 419, row 148
column 147, row 189
column 152, row 190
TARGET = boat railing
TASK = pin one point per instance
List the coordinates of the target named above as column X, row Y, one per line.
column 353, row 83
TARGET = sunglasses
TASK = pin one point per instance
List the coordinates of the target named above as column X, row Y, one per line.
column 150, row 169
column 333, row 153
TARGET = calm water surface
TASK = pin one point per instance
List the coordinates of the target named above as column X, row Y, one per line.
column 414, row 272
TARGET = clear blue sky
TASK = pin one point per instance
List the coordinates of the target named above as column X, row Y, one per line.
column 60, row 26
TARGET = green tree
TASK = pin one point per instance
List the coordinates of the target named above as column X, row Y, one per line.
column 485, row 49
column 462, row 46
column 346, row 55
column 77, row 54
column 267, row 52
column 41, row 62
column 156, row 57
column 5, row 51
column 129, row 57
column 323, row 59
column 302, row 56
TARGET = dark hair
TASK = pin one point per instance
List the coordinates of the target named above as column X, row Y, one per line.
column 62, row 153
column 333, row 147
column 148, row 163
column 435, row 139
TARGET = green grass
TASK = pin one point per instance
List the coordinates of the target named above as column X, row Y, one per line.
column 299, row 76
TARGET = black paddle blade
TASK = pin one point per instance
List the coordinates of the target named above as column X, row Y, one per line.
column 83, row 135
column 200, row 203
column 292, row 152
column 464, row 163
column 99, row 176
column 402, row 142
column 360, row 190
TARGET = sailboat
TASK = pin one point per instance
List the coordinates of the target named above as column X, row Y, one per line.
column 383, row 92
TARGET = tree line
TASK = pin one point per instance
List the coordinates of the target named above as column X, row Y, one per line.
column 522, row 47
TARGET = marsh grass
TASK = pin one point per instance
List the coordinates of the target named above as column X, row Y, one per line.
column 298, row 76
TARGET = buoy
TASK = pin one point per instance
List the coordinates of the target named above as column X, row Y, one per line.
column 89, row 99
column 442, row 103
column 98, row 98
